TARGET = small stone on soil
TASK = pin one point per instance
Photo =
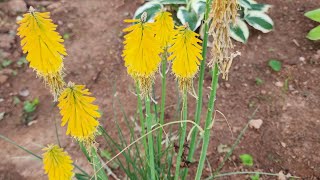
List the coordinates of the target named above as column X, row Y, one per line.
column 24, row 93
column 32, row 122
column 302, row 59
column 279, row 84
column 256, row 124
column 283, row 144
column 2, row 115
column 3, row 78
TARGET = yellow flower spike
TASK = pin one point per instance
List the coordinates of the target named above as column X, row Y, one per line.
column 164, row 28
column 42, row 43
column 44, row 48
column 223, row 13
column 141, row 53
column 57, row 163
column 77, row 110
column 186, row 53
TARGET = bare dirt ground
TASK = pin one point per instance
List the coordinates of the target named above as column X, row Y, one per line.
column 288, row 101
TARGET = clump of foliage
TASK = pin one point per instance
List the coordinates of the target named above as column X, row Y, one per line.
column 314, row 33
column 29, row 107
column 192, row 11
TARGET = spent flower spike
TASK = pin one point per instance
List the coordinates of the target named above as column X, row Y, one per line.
column 44, row 48
column 186, row 56
column 141, row 53
column 77, row 110
column 223, row 14
column 57, row 163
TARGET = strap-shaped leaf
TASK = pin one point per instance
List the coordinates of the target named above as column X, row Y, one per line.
column 314, row 15
column 42, row 43
column 151, row 8
column 259, row 21
column 314, row 34
column 239, row 31
column 189, row 17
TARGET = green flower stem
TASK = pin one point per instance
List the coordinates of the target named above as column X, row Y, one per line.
column 150, row 139
column 200, row 86
column 163, row 98
column 96, row 164
column 209, row 121
column 142, row 124
column 182, row 134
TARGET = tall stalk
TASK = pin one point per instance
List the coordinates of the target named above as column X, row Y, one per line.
column 142, row 121
column 200, row 85
column 209, row 121
column 183, row 133
column 150, row 139
column 163, row 98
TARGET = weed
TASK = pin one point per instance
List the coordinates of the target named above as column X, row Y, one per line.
column 5, row 63
column 275, row 65
column 246, row 159
column 30, row 106
column 259, row 81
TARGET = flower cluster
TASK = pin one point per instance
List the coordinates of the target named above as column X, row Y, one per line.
column 145, row 42
column 45, row 52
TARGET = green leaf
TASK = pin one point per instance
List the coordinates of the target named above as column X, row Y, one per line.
column 260, row 7
column 188, row 16
column 314, row 15
column 244, row 4
column 172, row 1
column 259, row 20
column 151, row 8
column 106, row 154
column 314, row 34
column 259, row 81
column 79, row 176
column 66, row 36
column 97, row 165
column 30, row 107
column 239, row 31
column 22, row 61
column 6, row 63
column 246, row 159
column 275, row 65
column 255, row 177
column 199, row 6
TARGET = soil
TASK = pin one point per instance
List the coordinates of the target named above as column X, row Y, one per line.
column 287, row 102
